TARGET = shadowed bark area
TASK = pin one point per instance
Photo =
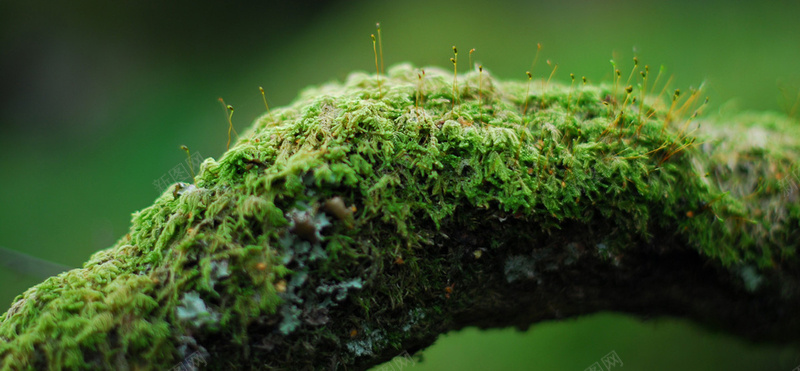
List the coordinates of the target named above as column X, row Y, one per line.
column 369, row 217
column 658, row 280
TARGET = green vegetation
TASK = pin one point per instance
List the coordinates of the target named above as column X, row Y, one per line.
column 368, row 217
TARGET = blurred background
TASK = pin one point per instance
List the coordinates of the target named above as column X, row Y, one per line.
column 96, row 97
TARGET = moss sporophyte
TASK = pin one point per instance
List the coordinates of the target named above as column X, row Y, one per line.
column 370, row 216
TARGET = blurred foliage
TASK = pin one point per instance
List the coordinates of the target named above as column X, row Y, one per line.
column 96, row 97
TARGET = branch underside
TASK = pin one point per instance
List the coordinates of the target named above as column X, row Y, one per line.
column 521, row 286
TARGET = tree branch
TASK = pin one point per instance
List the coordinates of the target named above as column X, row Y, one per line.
column 363, row 221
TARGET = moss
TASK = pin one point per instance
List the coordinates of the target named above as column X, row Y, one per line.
column 356, row 223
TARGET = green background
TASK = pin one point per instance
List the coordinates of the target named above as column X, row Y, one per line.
column 95, row 99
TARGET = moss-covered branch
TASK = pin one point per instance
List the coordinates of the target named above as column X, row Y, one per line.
column 358, row 223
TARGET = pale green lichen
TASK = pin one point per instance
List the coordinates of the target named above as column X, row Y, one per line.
column 250, row 268
column 371, row 340
column 193, row 310
column 520, row 267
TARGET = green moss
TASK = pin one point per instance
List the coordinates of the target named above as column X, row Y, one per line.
column 257, row 266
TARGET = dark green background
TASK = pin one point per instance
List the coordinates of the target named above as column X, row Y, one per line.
column 96, row 98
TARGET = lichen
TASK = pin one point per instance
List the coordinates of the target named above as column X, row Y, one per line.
column 520, row 267
column 194, row 311
column 263, row 264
